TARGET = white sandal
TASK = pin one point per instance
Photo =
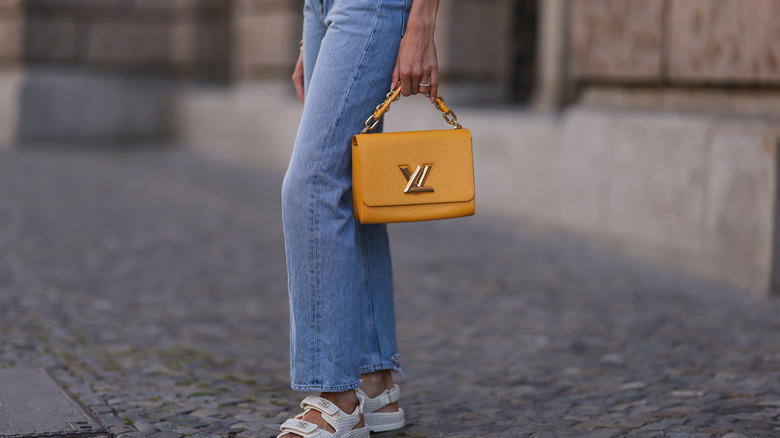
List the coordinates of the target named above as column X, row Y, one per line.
column 382, row 421
column 342, row 422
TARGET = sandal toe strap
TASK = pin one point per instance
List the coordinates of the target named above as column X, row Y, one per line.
column 321, row 405
column 299, row 427
column 332, row 415
column 335, row 417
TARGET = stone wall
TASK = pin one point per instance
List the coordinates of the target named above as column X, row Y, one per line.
column 182, row 38
column 11, row 32
column 687, row 94
column 724, row 41
column 473, row 37
column 675, row 42
column 104, row 70
column 616, row 39
column 266, row 36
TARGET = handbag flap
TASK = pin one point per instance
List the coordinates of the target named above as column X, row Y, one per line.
column 415, row 167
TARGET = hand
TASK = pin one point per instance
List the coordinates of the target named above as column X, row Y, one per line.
column 297, row 77
column 417, row 61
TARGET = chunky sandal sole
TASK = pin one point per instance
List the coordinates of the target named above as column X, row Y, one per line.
column 363, row 432
column 385, row 421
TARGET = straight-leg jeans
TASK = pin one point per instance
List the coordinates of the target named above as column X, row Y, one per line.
column 340, row 283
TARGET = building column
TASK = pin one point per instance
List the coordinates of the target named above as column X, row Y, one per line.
column 551, row 90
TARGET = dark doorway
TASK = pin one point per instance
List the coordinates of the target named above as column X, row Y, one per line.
column 523, row 42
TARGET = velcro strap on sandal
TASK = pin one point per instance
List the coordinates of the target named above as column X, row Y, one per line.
column 385, row 398
column 382, row 400
column 389, row 396
column 298, row 427
column 393, row 394
column 319, row 404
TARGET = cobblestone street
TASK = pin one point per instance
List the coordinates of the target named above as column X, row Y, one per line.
column 151, row 283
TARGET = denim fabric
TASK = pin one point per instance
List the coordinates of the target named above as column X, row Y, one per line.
column 339, row 271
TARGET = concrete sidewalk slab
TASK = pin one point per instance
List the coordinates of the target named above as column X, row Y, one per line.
column 32, row 406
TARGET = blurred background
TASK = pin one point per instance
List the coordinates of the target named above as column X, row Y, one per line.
column 648, row 125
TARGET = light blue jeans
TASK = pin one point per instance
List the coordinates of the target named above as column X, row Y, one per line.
column 340, row 277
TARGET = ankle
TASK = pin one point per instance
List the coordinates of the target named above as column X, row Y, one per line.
column 347, row 401
column 376, row 382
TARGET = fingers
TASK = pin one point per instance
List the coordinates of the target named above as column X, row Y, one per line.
column 406, row 80
column 434, row 76
column 299, row 89
column 413, row 80
column 416, row 67
column 409, row 73
column 426, row 83
column 297, row 77
column 434, row 84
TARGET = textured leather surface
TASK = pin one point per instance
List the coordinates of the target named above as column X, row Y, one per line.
column 378, row 182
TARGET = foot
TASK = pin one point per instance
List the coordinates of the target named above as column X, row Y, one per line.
column 347, row 402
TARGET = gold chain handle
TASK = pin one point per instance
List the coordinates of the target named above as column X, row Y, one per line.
column 394, row 95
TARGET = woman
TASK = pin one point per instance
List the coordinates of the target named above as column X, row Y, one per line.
column 343, row 341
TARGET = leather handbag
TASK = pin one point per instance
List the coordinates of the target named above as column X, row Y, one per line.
column 414, row 175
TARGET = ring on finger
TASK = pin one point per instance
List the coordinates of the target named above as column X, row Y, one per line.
column 424, row 85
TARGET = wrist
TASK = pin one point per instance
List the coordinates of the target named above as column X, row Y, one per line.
column 422, row 18
column 422, row 28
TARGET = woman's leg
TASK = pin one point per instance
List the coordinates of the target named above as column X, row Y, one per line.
column 331, row 259
column 378, row 346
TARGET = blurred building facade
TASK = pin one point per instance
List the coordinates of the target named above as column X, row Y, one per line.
column 651, row 125
column 103, row 70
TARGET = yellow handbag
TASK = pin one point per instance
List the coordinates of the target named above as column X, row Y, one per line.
column 412, row 176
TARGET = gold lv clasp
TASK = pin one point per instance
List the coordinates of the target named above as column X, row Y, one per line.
column 416, row 180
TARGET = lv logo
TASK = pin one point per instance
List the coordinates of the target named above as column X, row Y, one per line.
column 416, row 180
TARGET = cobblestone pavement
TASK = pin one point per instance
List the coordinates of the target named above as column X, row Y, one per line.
column 152, row 284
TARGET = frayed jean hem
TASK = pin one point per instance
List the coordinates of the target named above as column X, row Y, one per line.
column 321, row 388
column 394, row 366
